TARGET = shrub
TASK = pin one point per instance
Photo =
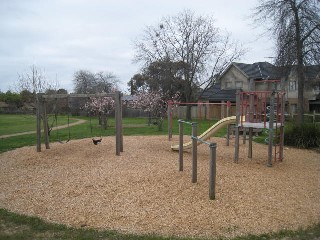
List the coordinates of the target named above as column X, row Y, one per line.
column 304, row 136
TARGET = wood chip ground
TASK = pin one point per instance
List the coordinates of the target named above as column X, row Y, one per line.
column 142, row 191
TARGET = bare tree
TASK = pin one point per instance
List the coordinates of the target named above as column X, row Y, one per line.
column 295, row 25
column 84, row 82
column 106, row 82
column 35, row 81
column 89, row 82
column 192, row 40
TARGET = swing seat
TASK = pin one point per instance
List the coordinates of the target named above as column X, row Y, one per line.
column 62, row 142
column 96, row 141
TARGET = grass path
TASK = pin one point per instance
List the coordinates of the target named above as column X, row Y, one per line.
column 79, row 121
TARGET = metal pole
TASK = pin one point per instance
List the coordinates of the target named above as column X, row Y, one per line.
column 180, row 145
column 194, row 152
column 212, row 171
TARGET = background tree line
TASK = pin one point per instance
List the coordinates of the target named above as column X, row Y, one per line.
column 35, row 81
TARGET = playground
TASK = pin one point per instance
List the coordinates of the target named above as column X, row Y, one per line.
column 142, row 191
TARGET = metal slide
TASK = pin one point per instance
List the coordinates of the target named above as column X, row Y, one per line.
column 207, row 134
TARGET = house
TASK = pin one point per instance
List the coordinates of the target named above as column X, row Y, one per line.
column 260, row 76
column 312, row 89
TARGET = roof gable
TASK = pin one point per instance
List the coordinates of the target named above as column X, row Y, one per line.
column 258, row 70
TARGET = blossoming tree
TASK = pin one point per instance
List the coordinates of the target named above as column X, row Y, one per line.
column 155, row 103
column 100, row 107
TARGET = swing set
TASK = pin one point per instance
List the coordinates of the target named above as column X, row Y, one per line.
column 55, row 125
column 42, row 114
column 95, row 140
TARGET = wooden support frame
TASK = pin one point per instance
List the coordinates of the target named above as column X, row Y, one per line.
column 252, row 112
column 41, row 111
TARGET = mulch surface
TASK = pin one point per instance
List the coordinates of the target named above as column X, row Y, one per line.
column 142, row 191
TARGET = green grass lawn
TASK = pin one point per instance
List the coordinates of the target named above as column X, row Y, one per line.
column 15, row 226
column 10, row 124
column 16, row 123
column 91, row 128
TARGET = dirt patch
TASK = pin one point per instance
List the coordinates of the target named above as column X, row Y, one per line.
column 142, row 191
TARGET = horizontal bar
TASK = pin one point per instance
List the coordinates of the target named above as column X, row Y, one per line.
column 191, row 123
column 200, row 140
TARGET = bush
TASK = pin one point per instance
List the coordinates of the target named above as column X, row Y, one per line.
column 304, row 136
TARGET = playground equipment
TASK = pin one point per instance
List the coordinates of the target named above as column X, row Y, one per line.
column 204, row 110
column 261, row 110
column 194, row 143
column 208, row 133
column 95, row 140
column 254, row 110
column 55, row 121
column 42, row 113
column 69, row 131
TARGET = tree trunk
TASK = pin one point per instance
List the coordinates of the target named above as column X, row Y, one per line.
column 300, row 73
column 189, row 99
column 104, row 121
column 300, row 67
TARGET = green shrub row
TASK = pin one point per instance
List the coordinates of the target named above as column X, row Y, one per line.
column 304, row 136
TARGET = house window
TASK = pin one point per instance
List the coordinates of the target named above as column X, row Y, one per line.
column 239, row 84
column 228, row 84
column 292, row 85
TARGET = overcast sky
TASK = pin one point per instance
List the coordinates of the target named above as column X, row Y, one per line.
column 64, row 36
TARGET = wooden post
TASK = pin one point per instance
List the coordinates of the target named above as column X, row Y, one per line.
column 228, row 126
column 250, row 143
column 38, row 113
column 237, row 126
column 212, row 171
column 228, row 108
column 45, row 124
column 194, row 152
column 118, row 123
column 244, row 135
column 169, row 112
column 222, row 110
column 180, row 145
column 228, row 135
column 271, row 118
column 282, row 127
